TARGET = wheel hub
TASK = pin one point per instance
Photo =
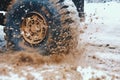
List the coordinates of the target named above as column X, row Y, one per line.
column 34, row 28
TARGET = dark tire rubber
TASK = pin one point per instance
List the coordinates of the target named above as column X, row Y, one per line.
column 61, row 19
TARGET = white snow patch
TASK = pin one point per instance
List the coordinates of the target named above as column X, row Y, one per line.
column 3, row 12
column 90, row 73
column 106, row 12
column 1, row 32
column 37, row 75
column 108, row 56
column 12, row 76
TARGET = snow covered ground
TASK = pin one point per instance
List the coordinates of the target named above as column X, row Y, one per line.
column 102, row 35
column 103, row 22
column 100, row 61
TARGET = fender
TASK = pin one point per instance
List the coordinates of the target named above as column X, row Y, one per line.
column 80, row 7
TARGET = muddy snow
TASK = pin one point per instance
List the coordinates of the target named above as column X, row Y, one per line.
column 97, row 58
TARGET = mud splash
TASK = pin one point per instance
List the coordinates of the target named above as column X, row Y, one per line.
column 34, row 58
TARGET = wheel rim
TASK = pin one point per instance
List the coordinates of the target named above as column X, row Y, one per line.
column 34, row 28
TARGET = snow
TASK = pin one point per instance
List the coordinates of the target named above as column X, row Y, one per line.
column 90, row 73
column 103, row 21
column 2, row 41
column 3, row 12
column 2, row 33
column 12, row 77
column 107, row 12
column 103, row 29
column 108, row 56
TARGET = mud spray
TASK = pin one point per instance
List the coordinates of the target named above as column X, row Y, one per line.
column 27, row 58
column 32, row 57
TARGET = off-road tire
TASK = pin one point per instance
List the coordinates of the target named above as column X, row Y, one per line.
column 61, row 17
